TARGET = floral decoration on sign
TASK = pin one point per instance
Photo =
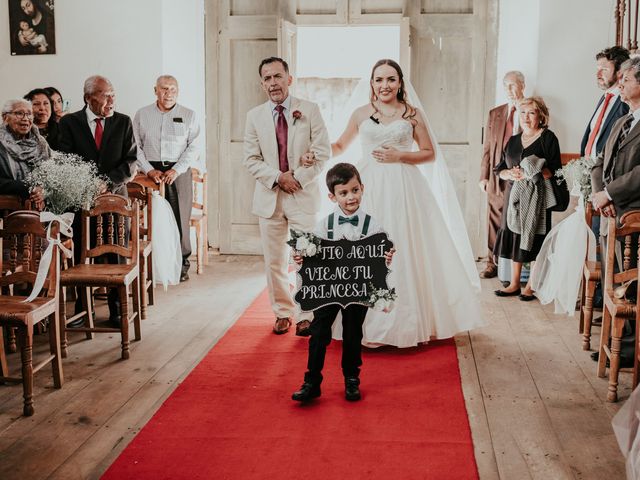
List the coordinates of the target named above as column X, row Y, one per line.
column 305, row 244
column 382, row 299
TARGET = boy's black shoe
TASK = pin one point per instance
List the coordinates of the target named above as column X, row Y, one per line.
column 308, row 391
column 351, row 390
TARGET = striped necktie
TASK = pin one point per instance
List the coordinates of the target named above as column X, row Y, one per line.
column 624, row 132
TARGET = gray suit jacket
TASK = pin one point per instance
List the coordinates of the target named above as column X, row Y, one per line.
column 624, row 188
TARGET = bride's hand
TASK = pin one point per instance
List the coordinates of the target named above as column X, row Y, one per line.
column 386, row 155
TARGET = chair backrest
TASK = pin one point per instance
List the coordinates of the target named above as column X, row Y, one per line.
column 23, row 240
column 12, row 203
column 143, row 180
column 589, row 213
column 111, row 226
column 142, row 195
column 628, row 228
column 567, row 157
column 199, row 180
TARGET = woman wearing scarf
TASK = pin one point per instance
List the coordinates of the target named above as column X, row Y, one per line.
column 21, row 148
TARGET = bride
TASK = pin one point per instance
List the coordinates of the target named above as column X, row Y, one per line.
column 410, row 193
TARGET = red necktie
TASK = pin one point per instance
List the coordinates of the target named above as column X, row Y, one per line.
column 282, row 130
column 596, row 127
column 98, row 134
column 508, row 129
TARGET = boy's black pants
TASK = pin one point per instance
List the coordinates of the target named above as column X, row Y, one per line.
column 323, row 318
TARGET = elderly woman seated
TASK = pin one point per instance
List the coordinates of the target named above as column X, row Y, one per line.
column 21, row 148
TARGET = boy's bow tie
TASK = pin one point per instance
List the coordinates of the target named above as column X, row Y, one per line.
column 352, row 220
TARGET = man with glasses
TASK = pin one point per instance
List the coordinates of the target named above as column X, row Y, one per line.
column 21, row 148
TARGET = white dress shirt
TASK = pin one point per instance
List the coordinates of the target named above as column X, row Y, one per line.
column 615, row 91
column 171, row 137
column 347, row 230
column 516, row 117
column 287, row 110
column 91, row 119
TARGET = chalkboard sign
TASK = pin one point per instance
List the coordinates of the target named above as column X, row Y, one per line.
column 343, row 272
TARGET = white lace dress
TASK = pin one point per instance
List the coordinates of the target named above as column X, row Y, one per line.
column 435, row 296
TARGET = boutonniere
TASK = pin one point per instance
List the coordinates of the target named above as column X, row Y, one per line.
column 296, row 114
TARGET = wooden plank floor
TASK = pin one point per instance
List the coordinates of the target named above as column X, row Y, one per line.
column 536, row 408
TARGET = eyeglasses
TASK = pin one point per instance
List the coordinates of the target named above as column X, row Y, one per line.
column 22, row 114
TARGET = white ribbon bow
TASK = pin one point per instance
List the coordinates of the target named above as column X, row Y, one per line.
column 65, row 220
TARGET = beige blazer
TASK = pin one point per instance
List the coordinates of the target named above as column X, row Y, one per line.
column 307, row 133
column 624, row 188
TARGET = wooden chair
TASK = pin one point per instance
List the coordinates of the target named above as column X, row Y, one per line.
column 199, row 219
column 111, row 214
column 23, row 240
column 636, row 355
column 145, row 181
column 9, row 204
column 142, row 195
column 617, row 310
column 591, row 275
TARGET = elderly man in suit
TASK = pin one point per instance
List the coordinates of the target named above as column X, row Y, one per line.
column 103, row 136
column 503, row 122
column 616, row 176
column 280, row 134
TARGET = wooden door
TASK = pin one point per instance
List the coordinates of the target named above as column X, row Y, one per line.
column 447, row 64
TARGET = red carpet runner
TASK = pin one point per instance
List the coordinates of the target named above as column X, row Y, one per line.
column 233, row 417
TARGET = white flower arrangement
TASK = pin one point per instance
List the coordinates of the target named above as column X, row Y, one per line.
column 69, row 183
column 305, row 244
column 577, row 174
column 382, row 299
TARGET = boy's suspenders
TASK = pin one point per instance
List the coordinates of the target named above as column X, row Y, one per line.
column 330, row 226
column 365, row 226
column 330, row 223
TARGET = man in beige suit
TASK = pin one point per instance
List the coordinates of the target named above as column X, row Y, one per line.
column 502, row 123
column 615, row 178
column 279, row 135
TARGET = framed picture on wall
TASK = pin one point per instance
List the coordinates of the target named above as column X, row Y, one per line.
column 32, row 27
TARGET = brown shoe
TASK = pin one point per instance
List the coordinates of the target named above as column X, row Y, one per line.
column 490, row 271
column 302, row 328
column 282, row 326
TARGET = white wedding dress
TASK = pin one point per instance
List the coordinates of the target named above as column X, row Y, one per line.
column 436, row 298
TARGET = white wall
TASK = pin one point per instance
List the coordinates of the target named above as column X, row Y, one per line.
column 554, row 44
column 129, row 42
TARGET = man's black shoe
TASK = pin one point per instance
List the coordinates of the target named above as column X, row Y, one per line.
column 115, row 321
column 78, row 322
column 308, row 391
column 351, row 390
column 625, row 362
column 184, row 276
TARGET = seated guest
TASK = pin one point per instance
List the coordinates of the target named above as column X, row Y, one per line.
column 21, row 148
column 57, row 101
column 43, row 117
column 528, row 214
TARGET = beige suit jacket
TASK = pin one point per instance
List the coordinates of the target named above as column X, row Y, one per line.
column 307, row 133
column 624, row 188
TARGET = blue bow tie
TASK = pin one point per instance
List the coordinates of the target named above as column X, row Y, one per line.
column 352, row 220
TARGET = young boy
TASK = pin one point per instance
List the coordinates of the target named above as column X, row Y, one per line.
column 350, row 222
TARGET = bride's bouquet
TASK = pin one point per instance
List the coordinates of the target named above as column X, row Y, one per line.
column 577, row 174
column 382, row 299
column 69, row 183
column 306, row 244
